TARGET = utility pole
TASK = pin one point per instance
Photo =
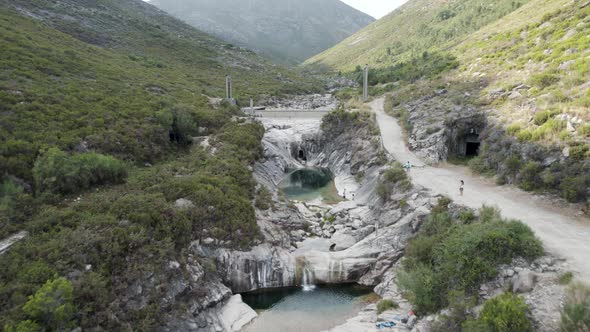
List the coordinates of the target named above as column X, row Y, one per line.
column 228, row 87
column 366, row 83
column 251, row 106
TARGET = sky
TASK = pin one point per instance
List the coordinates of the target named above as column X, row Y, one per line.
column 375, row 8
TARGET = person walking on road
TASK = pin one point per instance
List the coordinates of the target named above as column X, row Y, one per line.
column 408, row 166
column 461, row 187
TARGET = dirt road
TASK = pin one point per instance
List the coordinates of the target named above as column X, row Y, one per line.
column 563, row 233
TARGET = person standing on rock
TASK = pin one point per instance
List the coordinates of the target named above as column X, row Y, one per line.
column 408, row 166
column 461, row 187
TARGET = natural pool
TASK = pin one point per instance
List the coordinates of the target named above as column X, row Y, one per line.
column 304, row 310
column 306, row 184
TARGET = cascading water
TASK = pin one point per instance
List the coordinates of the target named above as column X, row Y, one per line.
column 308, row 279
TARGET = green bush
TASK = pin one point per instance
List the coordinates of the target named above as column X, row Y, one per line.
column 575, row 316
column 452, row 256
column 385, row 305
column 574, row 189
column 541, row 117
column 59, row 172
column 50, row 308
column 579, row 152
column 544, row 80
column 529, row 176
column 513, row 129
column 584, row 131
column 504, row 313
column 394, row 178
column 566, row 278
column 182, row 125
column 524, row 136
column 263, row 198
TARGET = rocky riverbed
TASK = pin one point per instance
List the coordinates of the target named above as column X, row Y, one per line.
column 360, row 239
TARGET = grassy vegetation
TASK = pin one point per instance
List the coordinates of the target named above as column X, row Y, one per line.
column 575, row 315
column 416, row 27
column 385, row 305
column 566, row 278
column 455, row 256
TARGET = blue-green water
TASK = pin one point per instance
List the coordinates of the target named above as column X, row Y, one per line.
column 311, row 183
column 295, row 309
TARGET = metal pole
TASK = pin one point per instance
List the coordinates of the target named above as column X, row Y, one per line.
column 366, row 83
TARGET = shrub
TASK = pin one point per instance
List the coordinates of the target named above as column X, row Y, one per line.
column 504, row 313
column 183, row 126
column 263, row 198
column 513, row 129
column 566, row 278
column 541, row 117
column 544, row 80
column 524, row 136
column 51, row 308
column 477, row 164
column 457, row 313
column 579, row 152
column 59, row 172
column 575, row 316
column 528, row 176
column 449, row 255
column 385, row 305
column 383, row 191
column 395, row 177
column 584, row 130
column 574, row 188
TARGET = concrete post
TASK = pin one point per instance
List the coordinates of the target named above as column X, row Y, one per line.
column 366, row 83
column 251, row 106
column 228, row 87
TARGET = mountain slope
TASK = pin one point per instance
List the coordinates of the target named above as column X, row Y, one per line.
column 99, row 71
column 284, row 30
column 518, row 76
column 415, row 27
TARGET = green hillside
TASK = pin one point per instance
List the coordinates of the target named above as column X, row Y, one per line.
column 99, row 104
column 412, row 29
column 102, row 76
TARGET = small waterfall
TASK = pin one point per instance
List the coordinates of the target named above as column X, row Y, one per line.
column 308, row 279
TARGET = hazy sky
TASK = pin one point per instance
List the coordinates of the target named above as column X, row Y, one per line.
column 375, row 8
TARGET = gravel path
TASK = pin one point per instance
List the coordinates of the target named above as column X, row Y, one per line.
column 564, row 232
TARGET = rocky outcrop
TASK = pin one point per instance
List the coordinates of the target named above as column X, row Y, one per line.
column 300, row 102
column 356, row 240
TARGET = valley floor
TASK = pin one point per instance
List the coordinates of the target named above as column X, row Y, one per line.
column 562, row 231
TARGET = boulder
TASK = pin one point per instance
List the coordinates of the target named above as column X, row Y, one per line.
column 342, row 241
column 524, row 282
column 183, row 203
column 235, row 314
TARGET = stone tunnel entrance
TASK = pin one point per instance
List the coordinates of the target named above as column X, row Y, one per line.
column 301, row 155
column 472, row 145
column 465, row 136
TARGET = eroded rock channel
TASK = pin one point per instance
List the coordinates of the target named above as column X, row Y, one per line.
column 328, row 226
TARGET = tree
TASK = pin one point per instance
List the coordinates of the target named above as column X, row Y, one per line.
column 52, row 306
